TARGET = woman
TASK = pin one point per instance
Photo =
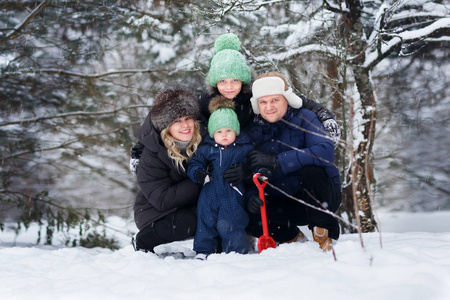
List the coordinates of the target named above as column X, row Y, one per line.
column 165, row 208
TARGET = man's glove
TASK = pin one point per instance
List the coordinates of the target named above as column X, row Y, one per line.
column 135, row 155
column 237, row 173
column 333, row 130
column 260, row 159
column 254, row 204
column 265, row 174
column 201, row 176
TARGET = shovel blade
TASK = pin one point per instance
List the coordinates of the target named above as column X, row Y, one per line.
column 265, row 242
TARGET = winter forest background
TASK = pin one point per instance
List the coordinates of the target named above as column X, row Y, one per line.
column 78, row 77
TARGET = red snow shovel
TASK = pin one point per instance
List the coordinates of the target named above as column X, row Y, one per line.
column 265, row 241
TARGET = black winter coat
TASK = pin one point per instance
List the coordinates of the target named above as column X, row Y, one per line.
column 164, row 188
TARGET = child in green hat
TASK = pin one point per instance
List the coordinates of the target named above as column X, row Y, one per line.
column 220, row 210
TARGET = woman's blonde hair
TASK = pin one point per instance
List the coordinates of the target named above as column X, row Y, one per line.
column 175, row 152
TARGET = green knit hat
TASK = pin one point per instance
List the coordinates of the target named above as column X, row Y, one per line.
column 222, row 116
column 228, row 62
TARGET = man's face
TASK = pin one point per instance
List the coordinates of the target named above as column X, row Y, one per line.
column 272, row 107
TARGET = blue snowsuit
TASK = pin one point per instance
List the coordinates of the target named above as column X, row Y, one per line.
column 220, row 209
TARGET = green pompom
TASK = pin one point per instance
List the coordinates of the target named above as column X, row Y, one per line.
column 227, row 41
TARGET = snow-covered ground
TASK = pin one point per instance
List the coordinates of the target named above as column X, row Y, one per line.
column 412, row 261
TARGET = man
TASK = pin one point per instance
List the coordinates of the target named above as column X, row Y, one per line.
column 293, row 145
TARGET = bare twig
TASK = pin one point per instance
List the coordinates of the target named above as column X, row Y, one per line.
column 310, row 205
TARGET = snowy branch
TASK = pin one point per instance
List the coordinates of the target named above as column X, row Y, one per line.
column 291, row 53
column 441, row 26
column 16, row 31
column 86, row 76
column 336, row 8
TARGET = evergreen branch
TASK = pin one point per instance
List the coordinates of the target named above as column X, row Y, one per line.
column 61, row 146
column 15, row 155
column 73, row 114
column 51, row 202
column 102, row 173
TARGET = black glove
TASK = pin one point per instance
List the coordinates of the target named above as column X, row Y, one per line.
column 237, row 173
column 254, row 204
column 135, row 155
column 209, row 167
column 201, row 175
column 260, row 159
column 264, row 173
column 136, row 150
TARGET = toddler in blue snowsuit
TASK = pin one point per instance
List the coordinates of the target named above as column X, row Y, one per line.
column 220, row 210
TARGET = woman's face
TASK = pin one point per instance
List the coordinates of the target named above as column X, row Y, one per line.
column 182, row 129
column 229, row 88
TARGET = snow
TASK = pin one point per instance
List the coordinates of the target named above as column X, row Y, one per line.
column 413, row 262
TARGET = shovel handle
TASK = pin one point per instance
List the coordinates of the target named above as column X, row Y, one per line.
column 261, row 187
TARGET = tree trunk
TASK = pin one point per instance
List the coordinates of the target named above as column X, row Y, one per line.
column 363, row 151
column 358, row 190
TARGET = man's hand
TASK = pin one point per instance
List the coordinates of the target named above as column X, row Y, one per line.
column 333, row 130
column 237, row 173
column 260, row 159
column 254, row 204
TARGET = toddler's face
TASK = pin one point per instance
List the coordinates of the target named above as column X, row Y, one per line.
column 224, row 136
